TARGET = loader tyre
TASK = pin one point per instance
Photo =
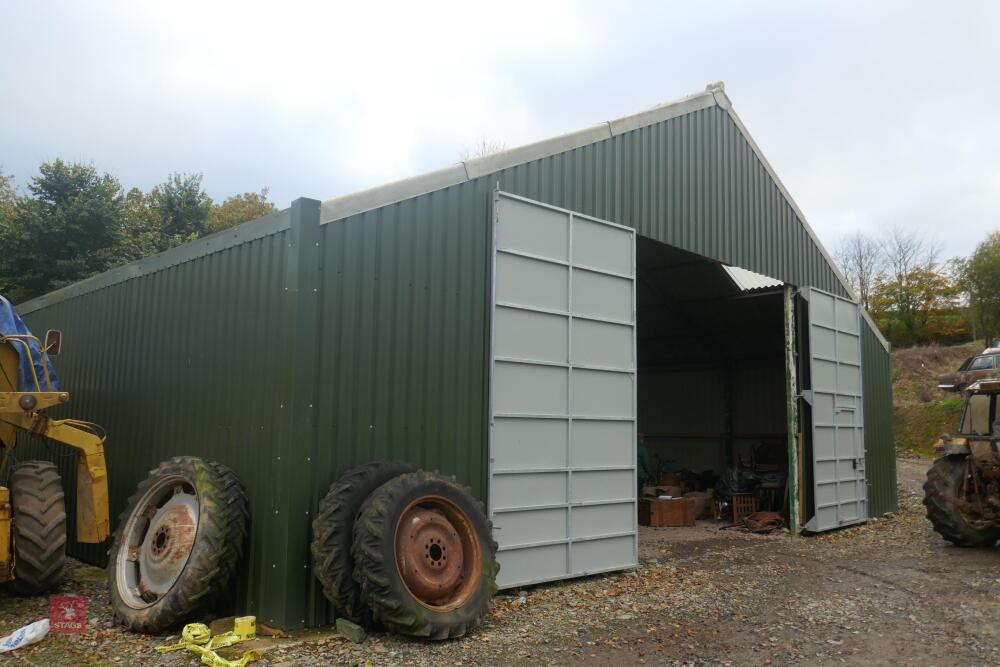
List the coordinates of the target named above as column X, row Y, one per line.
column 425, row 557
column 178, row 543
column 39, row 527
column 333, row 534
column 944, row 480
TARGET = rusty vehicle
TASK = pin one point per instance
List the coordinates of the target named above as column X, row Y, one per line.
column 32, row 505
column 980, row 367
column 962, row 491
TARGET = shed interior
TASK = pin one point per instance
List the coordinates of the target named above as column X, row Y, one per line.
column 711, row 377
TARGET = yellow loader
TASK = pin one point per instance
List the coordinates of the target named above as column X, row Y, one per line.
column 32, row 506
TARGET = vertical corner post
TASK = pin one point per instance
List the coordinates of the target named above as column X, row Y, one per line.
column 792, row 410
column 286, row 571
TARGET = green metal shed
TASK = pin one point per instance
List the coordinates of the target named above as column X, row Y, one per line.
column 385, row 324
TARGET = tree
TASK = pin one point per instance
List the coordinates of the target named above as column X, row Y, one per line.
column 141, row 234
column 980, row 277
column 74, row 222
column 910, row 295
column 907, row 251
column 8, row 206
column 482, row 148
column 240, row 208
column 68, row 229
column 918, row 308
column 179, row 209
column 861, row 259
column 8, row 197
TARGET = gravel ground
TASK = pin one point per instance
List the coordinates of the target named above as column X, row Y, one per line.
column 891, row 592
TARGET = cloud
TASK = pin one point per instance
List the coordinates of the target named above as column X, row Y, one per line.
column 873, row 114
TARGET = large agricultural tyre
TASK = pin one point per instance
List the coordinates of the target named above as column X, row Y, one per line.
column 333, row 534
column 39, row 516
column 425, row 557
column 178, row 543
column 946, row 483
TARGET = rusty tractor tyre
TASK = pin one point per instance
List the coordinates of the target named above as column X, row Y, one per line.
column 945, row 481
column 425, row 557
column 178, row 543
column 333, row 530
column 39, row 527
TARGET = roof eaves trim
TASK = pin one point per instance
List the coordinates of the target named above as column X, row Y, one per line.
column 217, row 242
column 366, row 200
column 489, row 164
column 658, row 114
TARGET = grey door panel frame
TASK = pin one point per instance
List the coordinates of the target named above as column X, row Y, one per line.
column 562, row 423
column 840, row 491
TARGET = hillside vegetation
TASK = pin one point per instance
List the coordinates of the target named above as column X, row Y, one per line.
column 922, row 412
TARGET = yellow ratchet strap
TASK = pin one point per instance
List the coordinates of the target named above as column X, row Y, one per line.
column 198, row 639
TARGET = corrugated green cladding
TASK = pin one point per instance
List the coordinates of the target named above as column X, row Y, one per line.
column 880, row 448
column 404, row 339
column 692, row 182
column 404, row 335
column 189, row 360
column 294, row 356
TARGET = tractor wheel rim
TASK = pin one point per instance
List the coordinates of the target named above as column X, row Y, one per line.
column 438, row 553
column 157, row 541
column 971, row 519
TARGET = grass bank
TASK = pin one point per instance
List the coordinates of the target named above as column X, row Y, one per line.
column 921, row 411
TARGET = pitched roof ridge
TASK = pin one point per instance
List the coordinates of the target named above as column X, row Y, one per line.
column 390, row 193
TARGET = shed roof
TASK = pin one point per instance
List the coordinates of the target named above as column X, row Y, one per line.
column 714, row 95
column 347, row 205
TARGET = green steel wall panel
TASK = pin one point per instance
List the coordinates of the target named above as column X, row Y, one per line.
column 403, row 325
column 692, row 182
column 183, row 361
column 880, row 441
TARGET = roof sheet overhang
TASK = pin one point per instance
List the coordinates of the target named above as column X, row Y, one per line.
column 750, row 281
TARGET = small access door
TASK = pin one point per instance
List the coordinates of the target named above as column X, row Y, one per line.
column 840, row 490
column 562, row 475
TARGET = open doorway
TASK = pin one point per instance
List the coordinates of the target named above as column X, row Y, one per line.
column 712, row 408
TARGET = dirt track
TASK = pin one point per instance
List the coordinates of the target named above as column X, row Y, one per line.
column 888, row 593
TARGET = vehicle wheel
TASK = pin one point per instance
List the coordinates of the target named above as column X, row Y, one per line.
column 946, row 479
column 333, row 530
column 178, row 543
column 425, row 557
column 39, row 527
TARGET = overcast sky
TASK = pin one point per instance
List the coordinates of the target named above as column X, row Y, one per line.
column 874, row 114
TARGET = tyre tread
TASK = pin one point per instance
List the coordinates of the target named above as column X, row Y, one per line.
column 944, row 516
column 39, row 526
column 333, row 528
column 374, row 565
column 218, row 548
